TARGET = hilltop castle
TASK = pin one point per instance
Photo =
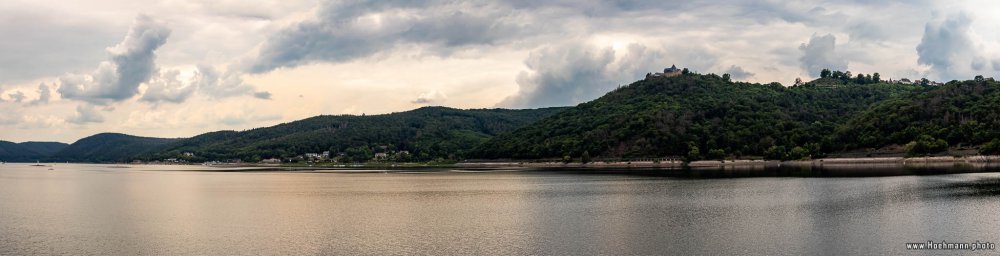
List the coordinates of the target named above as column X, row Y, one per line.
column 672, row 71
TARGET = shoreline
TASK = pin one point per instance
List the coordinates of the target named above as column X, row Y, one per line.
column 846, row 161
column 933, row 161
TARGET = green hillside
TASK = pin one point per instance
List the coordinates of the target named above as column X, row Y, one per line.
column 426, row 133
column 109, row 147
column 44, row 148
column 699, row 116
column 28, row 151
column 958, row 113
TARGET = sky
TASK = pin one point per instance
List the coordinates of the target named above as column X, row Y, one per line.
column 179, row 68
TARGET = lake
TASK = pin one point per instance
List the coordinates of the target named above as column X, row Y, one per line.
column 179, row 210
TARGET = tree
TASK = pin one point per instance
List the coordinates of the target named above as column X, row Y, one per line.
column 876, row 78
column 979, row 79
column 685, row 71
column 716, row 154
column 824, row 74
column 925, row 144
column 798, row 81
column 725, row 77
column 991, row 148
column 585, row 158
column 798, row 153
column 693, row 152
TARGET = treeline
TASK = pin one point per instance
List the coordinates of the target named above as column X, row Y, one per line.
column 846, row 77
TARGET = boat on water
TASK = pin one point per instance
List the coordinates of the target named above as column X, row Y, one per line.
column 39, row 164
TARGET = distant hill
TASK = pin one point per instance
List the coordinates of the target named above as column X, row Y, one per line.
column 44, row 148
column 109, row 147
column 426, row 133
column 697, row 116
column 28, row 151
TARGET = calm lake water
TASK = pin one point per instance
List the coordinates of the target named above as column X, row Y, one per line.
column 99, row 210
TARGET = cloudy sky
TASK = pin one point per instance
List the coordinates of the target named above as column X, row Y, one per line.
column 178, row 68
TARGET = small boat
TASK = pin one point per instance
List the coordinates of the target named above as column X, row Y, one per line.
column 38, row 164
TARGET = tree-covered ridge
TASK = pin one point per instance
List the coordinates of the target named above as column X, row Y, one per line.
column 424, row 134
column 959, row 113
column 109, row 147
column 697, row 116
column 28, row 151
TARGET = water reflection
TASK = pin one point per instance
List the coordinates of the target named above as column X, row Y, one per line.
column 784, row 210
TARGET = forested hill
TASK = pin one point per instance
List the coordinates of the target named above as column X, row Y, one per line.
column 109, row 147
column 27, row 151
column 701, row 116
column 425, row 134
column 963, row 113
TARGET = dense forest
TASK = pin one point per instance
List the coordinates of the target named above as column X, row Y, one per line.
column 956, row 114
column 695, row 116
column 422, row 134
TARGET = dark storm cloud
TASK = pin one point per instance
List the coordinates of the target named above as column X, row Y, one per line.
column 131, row 63
column 821, row 53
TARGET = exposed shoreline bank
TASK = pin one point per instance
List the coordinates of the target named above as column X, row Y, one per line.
column 734, row 163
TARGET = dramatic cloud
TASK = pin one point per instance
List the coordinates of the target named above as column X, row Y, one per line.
column 86, row 114
column 344, row 31
column 131, row 63
column 737, row 73
column 820, row 53
column 950, row 48
column 168, row 88
column 570, row 74
column 430, row 97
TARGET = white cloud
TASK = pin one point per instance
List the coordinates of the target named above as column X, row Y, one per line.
column 430, row 97
column 167, row 87
column 86, row 114
column 573, row 73
column 821, row 53
column 952, row 49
